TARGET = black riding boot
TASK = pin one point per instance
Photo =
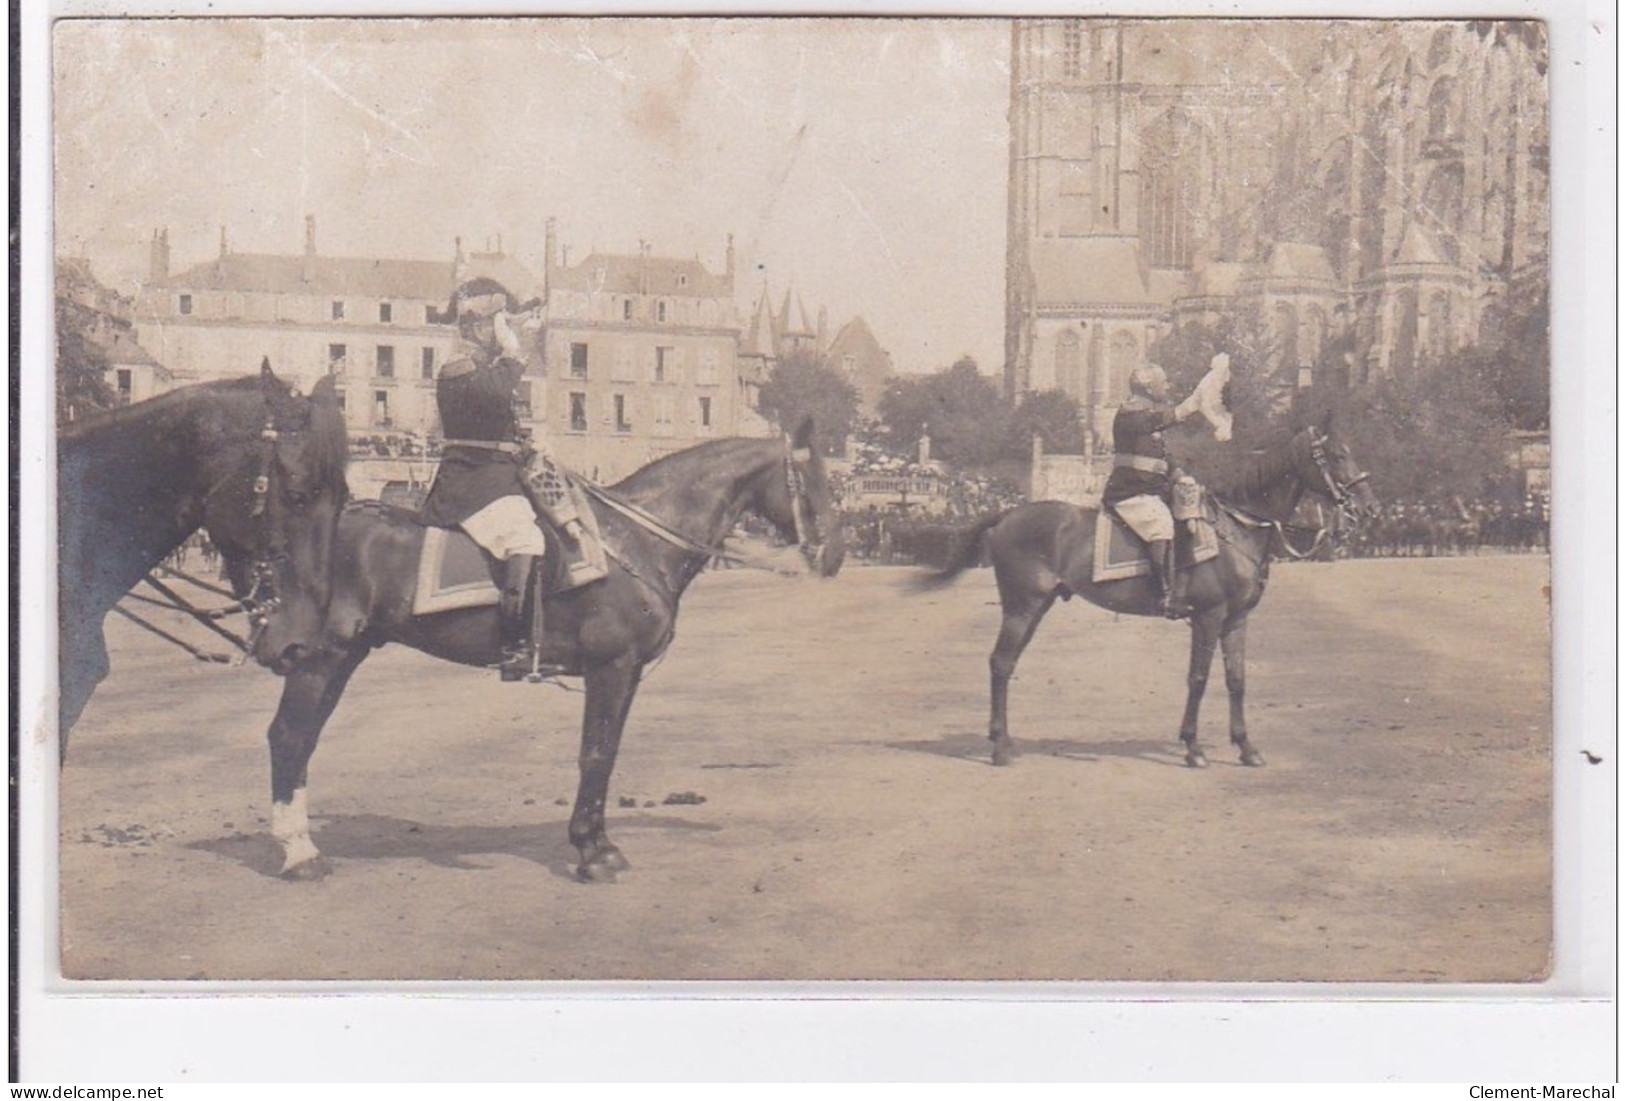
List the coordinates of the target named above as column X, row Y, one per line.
column 1162, row 568
column 514, row 615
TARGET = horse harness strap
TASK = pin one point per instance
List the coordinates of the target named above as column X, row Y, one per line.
column 651, row 523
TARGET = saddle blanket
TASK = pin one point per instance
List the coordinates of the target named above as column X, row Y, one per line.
column 1120, row 554
column 452, row 573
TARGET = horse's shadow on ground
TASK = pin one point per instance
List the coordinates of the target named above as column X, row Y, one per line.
column 976, row 749
column 381, row 837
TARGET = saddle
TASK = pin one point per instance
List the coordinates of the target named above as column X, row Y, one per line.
column 1121, row 554
column 455, row 572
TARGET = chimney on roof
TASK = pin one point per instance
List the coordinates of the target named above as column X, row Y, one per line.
column 308, row 269
column 158, row 256
column 550, row 254
column 729, row 270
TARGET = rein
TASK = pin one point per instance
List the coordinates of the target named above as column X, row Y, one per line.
column 175, row 602
column 795, row 482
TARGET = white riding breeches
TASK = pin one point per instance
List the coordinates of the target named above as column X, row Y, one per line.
column 1148, row 515
column 506, row 527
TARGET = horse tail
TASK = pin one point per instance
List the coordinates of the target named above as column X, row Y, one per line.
column 966, row 555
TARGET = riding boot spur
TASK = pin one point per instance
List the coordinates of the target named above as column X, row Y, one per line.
column 514, row 616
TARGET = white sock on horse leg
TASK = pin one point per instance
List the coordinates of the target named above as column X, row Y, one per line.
column 290, row 825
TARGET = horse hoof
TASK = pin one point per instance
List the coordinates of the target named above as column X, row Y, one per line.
column 1196, row 759
column 1252, row 758
column 307, row 871
column 595, row 873
column 1003, row 754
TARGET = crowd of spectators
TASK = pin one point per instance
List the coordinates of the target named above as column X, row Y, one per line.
column 394, row 445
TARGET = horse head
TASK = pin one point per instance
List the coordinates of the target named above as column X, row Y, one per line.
column 1329, row 470
column 273, row 507
column 803, row 507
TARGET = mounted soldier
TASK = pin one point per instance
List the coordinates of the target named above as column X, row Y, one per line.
column 1143, row 482
column 481, row 484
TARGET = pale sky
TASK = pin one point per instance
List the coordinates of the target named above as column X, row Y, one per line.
column 862, row 162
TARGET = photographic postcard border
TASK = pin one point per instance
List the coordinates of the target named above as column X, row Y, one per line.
column 1562, row 1030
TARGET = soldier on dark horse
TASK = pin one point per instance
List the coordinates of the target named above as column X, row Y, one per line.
column 484, row 483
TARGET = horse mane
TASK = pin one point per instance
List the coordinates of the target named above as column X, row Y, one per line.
column 1248, row 477
column 660, row 470
column 94, row 423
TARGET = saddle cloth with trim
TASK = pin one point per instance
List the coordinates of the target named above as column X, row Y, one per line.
column 452, row 573
column 1120, row 554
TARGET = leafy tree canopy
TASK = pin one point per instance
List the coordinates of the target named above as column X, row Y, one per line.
column 802, row 384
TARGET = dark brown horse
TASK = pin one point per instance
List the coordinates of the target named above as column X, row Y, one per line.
column 1045, row 550
column 252, row 460
column 605, row 632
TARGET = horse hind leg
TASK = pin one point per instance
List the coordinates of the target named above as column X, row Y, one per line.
column 1015, row 633
column 308, row 698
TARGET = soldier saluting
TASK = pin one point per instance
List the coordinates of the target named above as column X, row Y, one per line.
column 1142, row 479
column 480, row 485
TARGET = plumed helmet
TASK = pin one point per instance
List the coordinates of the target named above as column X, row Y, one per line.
column 481, row 297
column 1143, row 379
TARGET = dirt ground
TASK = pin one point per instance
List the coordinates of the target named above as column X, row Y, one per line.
column 852, row 826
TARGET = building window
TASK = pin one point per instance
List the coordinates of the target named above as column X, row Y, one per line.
column 626, row 309
column 339, row 393
column 621, row 423
column 186, row 304
column 338, row 309
column 710, row 368
column 337, row 357
column 428, row 363
column 663, row 357
column 126, row 383
column 386, row 312
column 660, row 311
column 1072, row 49
column 429, row 317
column 578, row 411
column 578, row 361
column 663, row 403
column 682, row 279
column 380, row 409
column 705, row 411
column 386, row 361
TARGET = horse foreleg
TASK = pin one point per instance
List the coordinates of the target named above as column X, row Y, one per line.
column 610, row 689
column 1204, row 640
column 309, row 695
column 1234, row 640
column 1014, row 635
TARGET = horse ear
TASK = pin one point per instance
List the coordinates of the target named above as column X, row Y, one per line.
column 1326, row 417
column 268, row 380
column 803, row 435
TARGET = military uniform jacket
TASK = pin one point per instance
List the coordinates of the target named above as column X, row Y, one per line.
column 1137, row 431
column 475, row 397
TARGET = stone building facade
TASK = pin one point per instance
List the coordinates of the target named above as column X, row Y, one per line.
column 1370, row 183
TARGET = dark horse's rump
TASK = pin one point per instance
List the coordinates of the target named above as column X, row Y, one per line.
column 132, row 484
column 1044, row 550
column 605, row 632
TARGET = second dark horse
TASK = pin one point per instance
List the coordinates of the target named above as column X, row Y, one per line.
column 605, row 632
column 1045, row 550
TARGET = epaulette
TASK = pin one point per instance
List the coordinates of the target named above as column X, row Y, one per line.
column 459, row 367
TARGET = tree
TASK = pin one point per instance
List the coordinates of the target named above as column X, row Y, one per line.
column 801, row 384
column 1051, row 415
column 959, row 408
column 81, row 365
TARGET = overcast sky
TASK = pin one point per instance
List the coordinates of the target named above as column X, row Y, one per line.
column 863, row 162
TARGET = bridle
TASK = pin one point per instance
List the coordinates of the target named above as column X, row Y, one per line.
column 1341, row 493
column 795, row 480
